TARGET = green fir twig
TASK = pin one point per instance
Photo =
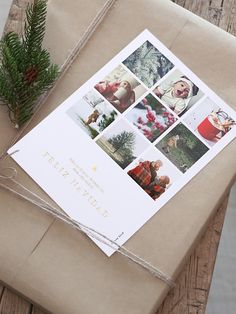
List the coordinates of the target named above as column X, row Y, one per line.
column 25, row 68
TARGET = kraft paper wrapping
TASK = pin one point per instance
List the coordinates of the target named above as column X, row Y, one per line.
column 60, row 268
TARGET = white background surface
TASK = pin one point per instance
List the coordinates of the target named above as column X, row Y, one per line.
column 222, row 296
column 4, row 9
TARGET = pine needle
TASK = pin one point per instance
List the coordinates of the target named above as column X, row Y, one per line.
column 25, row 67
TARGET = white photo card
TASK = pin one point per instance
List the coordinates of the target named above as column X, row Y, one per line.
column 114, row 152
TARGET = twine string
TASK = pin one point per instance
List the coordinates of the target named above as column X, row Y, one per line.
column 8, row 174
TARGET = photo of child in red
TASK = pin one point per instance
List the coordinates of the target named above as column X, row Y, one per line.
column 145, row 175
column 119, row 93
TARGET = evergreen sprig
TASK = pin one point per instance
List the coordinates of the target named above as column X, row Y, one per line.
column 25, row 67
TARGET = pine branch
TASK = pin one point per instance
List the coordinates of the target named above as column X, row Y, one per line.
column 25, row 70
column 34, row 27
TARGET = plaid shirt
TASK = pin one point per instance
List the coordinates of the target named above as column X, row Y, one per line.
column 142, row 173
column 156, row 191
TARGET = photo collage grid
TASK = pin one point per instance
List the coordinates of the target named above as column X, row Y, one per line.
column 151, row 119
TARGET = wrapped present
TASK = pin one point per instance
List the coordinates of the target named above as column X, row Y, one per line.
column 55, row 265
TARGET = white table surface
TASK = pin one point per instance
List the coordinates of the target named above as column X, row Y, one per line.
column 4, row 9
column 222, row 295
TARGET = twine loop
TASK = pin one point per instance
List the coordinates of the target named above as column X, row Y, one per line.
column 23, row 192
column 8, row 173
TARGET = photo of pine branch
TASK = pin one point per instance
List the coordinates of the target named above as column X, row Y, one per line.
column 148, row 64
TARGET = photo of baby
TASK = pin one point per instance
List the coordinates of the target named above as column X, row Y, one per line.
column 211, row 122
column 92, row 113
column 178, row 92
column 150, row 117
column 182, row 147
column 120, row 88
column 148, row 64
column 122, row 143
column 153, row 173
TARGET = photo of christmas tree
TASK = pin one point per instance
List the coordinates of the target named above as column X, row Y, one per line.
column 120, row 88
column 182, row 147
column 148, row 64
column 122, row 143
column 92, row 113
column 150, row 117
